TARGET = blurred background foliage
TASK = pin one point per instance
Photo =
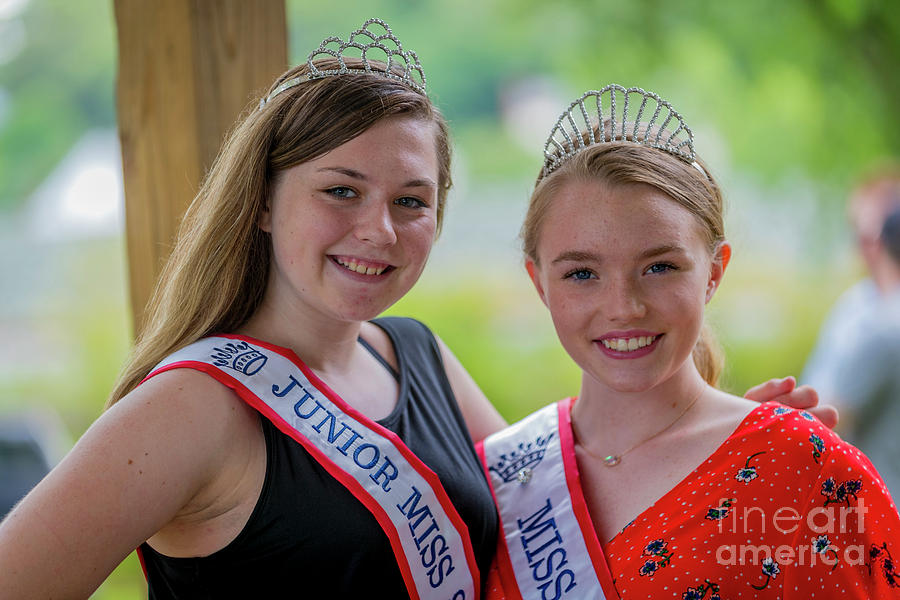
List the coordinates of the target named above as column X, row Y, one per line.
column 791, row 101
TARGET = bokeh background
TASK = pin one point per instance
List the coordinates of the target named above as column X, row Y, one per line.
column 791, row 102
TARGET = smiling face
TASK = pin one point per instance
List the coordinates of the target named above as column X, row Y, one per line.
column 625, row 272
column 352, row 229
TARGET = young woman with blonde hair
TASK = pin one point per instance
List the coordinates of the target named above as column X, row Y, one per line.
column 653, row 483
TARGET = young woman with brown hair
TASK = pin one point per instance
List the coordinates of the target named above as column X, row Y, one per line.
column 319, row 213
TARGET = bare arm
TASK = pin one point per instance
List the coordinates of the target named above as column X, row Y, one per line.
column 481, row 417
column 131, row 473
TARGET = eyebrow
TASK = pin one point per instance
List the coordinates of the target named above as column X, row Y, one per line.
column 664, row 249
column 424, row 182
column 582, row 256
column 576, row 256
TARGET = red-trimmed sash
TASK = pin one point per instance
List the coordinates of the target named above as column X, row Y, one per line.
column 548, row 548
column 429, row 539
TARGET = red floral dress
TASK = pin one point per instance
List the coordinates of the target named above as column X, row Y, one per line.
column 782, row 509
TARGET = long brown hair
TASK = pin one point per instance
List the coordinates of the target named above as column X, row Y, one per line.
column 215, row 278
column 620, row 163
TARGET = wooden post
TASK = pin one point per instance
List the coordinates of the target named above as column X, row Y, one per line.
column 187, row 68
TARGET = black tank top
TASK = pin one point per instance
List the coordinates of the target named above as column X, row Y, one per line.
column 308, row 537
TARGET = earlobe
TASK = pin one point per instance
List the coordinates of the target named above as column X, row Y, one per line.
column 264, row 221
column 534, row 274
column 717, row 269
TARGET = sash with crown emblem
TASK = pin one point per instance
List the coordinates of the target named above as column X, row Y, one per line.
column 548, row 547
column 428, row 537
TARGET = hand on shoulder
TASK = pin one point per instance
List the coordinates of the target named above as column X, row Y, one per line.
column 802, row 397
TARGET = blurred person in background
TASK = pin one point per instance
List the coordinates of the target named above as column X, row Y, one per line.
column 856, row 361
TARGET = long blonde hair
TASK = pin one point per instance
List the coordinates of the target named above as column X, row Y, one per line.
column 216, row 275
column 619, row 163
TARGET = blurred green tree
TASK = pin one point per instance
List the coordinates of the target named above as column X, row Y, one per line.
column 57, row 87
column 802, row 85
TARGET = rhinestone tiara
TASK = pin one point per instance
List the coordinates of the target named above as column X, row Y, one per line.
column 609, row 115
column 371, row 45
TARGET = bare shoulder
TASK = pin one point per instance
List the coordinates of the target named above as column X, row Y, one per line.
column 183, row 401
column 376, row 337
column 725, row 412
column 181, row 416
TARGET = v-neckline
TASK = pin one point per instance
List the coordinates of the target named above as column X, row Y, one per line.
column 591, row 529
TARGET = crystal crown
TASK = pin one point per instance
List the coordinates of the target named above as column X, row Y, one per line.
column 615, row 113
column 372, row 45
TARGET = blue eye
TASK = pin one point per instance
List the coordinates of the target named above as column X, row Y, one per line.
column 410, row 202
column 341, row 192
column 661, row 268
column 579, row 275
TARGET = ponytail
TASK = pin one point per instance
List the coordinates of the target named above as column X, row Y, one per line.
column 708, row 356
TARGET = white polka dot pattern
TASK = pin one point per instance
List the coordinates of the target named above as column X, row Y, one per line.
column 782, row 509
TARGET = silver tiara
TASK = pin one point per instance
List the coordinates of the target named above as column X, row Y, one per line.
column 384, row 46
column 609, row 115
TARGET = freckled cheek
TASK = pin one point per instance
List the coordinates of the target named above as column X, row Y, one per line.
column 571, row 314
column 691, row 298
column 683, row 312
column 424, row 227
column 684, row 293
column 418, row 239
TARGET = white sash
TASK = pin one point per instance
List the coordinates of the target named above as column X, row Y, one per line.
column 428, row 537
column 549, row 548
